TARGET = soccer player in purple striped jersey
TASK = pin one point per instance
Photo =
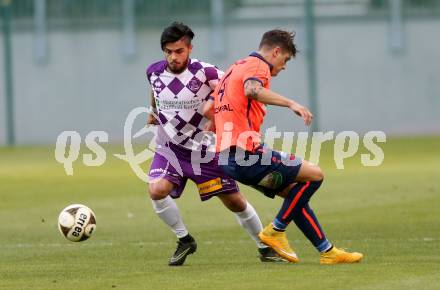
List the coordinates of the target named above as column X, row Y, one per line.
column 180, row 87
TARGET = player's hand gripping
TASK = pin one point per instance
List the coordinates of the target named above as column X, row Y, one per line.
column 303, row 112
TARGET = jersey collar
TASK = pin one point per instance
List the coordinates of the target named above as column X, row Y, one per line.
column 257, row 55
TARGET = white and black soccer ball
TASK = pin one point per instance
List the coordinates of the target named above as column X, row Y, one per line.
column 77, row 222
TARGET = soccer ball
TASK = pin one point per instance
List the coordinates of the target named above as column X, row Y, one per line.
column 77, row 222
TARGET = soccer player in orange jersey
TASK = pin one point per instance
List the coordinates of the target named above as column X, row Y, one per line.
column 237, row 112
column 180, row 86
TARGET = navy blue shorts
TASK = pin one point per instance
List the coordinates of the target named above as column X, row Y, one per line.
column 266, row 170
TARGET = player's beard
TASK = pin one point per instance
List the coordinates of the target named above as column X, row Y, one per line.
column 178, row 70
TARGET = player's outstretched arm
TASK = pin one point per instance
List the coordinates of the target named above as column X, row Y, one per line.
column 254, row 90
column 208, row 109
column 151, row 117
column 208, row 112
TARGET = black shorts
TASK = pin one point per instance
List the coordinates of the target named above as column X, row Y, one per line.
column 264, row 169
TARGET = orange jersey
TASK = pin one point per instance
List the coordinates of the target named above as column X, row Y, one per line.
column 238, row 118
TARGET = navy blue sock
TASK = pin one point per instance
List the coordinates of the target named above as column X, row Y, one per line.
column 295, row 207
column 307, row 222
column 298, row 196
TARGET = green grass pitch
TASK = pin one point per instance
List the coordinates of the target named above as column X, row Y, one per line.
column 390, row 213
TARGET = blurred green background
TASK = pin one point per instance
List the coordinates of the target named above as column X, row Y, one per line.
column 80, row 65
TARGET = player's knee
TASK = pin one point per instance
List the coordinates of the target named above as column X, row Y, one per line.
column 311, row 173
column 317, row 175
column 235, row 202
column 158, row 190
column 240, row 204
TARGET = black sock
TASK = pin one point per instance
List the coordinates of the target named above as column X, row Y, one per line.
column 278, row 230
column 329, row 249
column 187, row 239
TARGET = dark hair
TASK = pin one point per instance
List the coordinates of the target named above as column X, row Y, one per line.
column 174, row 32
column 281, row 38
